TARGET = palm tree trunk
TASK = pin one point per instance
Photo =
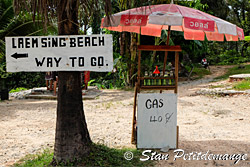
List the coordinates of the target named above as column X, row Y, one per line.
column 72, row 140
column 133, row 52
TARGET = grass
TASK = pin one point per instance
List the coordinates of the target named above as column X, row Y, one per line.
column 127, row 88
column 99, row 156
column 37, row 160
column 216, row 86
column 242, row 85
column 233, row 71
column 105, row 156
column 17, row 90
column 107, row 105
column 200, row 72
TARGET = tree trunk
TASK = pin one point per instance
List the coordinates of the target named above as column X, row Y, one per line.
column 128, row 56
column 124, row 51
column 72, row 140
column 133, row 53
column 122, row 43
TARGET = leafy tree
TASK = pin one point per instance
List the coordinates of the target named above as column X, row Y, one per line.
column 234, row 11
column 19, row 25
column 218, row 8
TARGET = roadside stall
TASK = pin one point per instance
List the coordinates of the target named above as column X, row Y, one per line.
column 154, row 123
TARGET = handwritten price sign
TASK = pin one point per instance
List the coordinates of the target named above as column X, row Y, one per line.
column 157, row 120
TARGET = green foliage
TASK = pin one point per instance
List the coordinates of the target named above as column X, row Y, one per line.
column 100, row 155
column 93, row 82
column 247, row 38
column 104, row 156
column 235, row 70
column 25, row 79
column 38, row 160
column 242, row 85
column 195, row 49
column 217, row 8
column 114, row 79
column 229, row 57
column 20, row 25
column 196, row 4
column 200, row 72
column 17, row 89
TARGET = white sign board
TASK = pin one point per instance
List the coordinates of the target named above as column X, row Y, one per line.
column 59, row 53
column 156, row 120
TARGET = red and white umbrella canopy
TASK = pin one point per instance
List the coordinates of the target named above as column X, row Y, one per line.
column 150, row 20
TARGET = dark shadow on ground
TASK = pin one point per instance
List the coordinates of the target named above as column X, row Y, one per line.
column 212, row 147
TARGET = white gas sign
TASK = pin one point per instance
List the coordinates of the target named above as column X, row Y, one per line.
column 157, row 120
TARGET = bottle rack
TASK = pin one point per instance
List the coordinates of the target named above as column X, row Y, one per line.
column 161, row 82
column 140, row 79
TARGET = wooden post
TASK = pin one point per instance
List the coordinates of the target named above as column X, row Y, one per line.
column 134, row 115
column 137, row 85
column 177, row 137
column 164, row 64
column 165, row 61
column 139, row 68
column 176, row 71
column 166, row 52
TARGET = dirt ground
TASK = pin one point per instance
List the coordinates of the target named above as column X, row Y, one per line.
column 218, row 125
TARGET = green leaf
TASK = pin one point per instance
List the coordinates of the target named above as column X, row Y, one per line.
column 247, row 38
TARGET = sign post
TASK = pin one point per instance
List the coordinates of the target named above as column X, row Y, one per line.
column 59, row 53
column 157, row 120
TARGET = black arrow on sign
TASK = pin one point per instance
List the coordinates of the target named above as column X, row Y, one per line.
column 19, row 55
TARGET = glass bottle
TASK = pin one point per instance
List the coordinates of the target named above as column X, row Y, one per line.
column 151, row 80
column 145, row 81
column 160, row 81
column 169, row 80
column 165, row 81
column 155, row 80
column 173, row 80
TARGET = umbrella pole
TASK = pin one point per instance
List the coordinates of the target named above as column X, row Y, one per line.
column 166, row 52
